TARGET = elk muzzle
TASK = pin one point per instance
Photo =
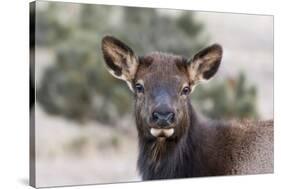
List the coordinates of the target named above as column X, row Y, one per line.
column 162, row 121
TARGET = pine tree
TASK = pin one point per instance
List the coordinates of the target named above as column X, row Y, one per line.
column 78, row 86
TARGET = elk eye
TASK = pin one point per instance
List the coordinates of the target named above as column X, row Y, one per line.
column 185, row 91
column 139, row 88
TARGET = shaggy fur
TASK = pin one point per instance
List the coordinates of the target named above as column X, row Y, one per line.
column 210, row 149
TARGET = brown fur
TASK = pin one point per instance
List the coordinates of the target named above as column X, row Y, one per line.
column 197, row 147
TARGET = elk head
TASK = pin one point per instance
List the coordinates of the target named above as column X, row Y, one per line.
column 161, row 84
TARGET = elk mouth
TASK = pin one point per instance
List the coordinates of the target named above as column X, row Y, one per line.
column 157, row 132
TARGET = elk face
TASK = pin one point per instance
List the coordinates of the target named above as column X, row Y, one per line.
column 161, row 84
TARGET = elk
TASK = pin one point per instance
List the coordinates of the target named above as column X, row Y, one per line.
column 174, row 142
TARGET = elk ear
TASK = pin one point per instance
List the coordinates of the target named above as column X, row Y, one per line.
column 120, row 59
column 205, row 63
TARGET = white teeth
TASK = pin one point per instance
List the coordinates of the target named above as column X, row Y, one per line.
column 155, row 132
column 167, row 132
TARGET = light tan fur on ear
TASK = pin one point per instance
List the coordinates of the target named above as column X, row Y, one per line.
column 204, row 64
column 120, row 59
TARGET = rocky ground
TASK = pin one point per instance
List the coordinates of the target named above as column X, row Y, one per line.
column 69, row 153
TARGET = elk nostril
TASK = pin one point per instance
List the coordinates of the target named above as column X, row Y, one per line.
column 170, row 117
column 155, row 116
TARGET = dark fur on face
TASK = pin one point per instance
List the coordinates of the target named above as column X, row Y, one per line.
column 157, row 67
column 173, row 142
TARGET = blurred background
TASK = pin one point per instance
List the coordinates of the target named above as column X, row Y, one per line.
column 84, row 126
